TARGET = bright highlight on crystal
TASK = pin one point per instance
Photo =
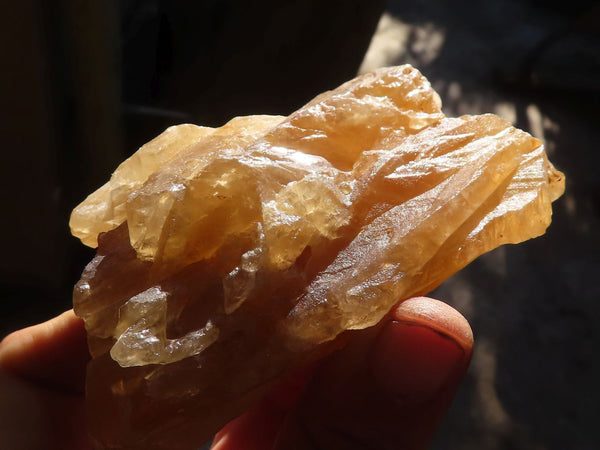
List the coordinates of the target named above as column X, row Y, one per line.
column 229, row 256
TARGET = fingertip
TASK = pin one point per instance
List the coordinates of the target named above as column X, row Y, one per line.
column 54, row 352
column 411, row 362
column 438, row 316
column 14, row 345
column 390, row 387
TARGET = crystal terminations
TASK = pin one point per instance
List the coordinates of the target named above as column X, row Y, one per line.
column 229, row 256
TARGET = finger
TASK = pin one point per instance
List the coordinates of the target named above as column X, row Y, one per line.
column 53, row 353
column 389, row 388
column 258, row 427
column 33, row 417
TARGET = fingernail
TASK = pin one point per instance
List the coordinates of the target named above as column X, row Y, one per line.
column 413, row 362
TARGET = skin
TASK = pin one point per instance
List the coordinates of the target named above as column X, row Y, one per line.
column 388, row 388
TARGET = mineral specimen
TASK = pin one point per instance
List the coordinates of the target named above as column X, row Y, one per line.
column 229, row 256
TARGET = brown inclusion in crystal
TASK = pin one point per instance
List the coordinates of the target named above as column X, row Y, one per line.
column 229, row 256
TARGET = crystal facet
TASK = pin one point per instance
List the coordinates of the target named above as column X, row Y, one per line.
column 229, row 256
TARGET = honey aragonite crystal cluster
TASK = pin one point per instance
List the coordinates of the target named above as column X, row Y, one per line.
column 229, row 256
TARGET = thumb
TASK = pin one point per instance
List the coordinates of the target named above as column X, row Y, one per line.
column 389, row 388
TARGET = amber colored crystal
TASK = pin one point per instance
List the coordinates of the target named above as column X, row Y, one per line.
column 229, row 256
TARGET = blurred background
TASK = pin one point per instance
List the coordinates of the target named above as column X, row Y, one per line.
column 84, row 84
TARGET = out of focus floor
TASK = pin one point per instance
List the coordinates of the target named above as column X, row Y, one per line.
column 535, row 307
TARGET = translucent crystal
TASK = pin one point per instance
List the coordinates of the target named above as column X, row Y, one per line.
column 229, row 256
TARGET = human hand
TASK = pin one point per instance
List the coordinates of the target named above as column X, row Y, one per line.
column 388, row 388
column 42, row 380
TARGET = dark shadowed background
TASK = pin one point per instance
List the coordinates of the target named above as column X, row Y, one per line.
column 84, row 84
